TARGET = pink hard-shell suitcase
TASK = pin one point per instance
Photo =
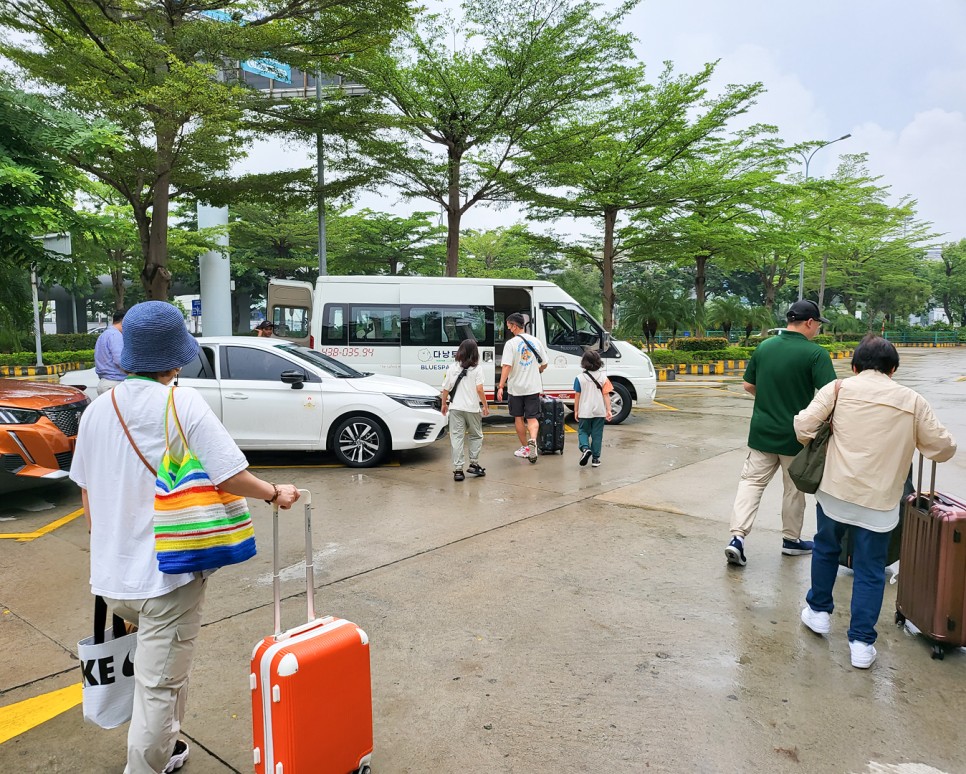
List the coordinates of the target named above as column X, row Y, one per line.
column 311, row 687
column 932, row 567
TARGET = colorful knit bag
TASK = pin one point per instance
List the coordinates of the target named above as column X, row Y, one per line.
column 197, row 526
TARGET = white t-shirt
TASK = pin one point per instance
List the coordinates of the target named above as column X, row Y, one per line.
column 591, row 399
column 466, row 397
column 524, row 376
column 120, row 489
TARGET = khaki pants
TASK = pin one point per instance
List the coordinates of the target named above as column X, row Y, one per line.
column 168, row 628
column 465, row 426
column 106, row 385
column 757, row 472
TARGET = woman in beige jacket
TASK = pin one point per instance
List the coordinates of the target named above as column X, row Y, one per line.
column 877, row 425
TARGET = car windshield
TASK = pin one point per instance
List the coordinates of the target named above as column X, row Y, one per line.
column 327, row 364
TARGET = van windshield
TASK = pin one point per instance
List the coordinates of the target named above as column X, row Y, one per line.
column 327, row 364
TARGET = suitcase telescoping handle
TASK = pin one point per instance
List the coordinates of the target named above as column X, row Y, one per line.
column 305, row 496
column 932, row 485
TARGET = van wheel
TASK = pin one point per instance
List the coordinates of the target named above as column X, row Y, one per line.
column 620, row 404
column 360, row 442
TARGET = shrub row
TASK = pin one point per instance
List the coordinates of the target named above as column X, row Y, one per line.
column 700, row 344
column 50, row 358
column 67, row 342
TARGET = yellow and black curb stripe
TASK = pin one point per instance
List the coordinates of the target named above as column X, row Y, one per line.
column 56, row 369
column 928, row 344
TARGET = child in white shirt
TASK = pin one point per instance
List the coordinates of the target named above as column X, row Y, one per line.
column 465, row 402
column 592, row 391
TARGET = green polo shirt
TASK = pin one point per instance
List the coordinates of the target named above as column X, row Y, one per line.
column 786, row 370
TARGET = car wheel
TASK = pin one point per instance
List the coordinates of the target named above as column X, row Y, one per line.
column 620, row 404
column 360, row 442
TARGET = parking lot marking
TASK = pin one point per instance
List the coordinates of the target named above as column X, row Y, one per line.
column 26, row 537
column 19, row 718
column 664, row 406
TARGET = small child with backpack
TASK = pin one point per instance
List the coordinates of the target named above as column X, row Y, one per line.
column 464, row 401
column 592, row 391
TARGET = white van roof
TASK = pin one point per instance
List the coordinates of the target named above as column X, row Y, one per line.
column 384, row 279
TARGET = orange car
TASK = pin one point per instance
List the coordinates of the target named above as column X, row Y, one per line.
column 38, row 431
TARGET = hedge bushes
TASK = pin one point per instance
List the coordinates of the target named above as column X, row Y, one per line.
column 67, row 342
column 701, row 344
column 50, row 358
column 731, row 353
column 663, row 357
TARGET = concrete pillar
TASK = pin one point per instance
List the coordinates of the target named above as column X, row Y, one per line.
column 215, row 277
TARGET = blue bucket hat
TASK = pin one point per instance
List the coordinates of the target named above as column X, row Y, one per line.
column 156, row 339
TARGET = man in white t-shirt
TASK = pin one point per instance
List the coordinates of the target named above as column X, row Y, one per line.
column 524, row 359
column 120, row 444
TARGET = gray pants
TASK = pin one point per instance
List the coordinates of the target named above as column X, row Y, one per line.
column 168, row 628
column 465, row 425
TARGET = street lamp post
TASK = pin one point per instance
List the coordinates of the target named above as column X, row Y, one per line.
column 801, row 265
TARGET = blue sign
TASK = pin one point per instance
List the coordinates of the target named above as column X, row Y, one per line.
column 196, row 307
column 267, row 68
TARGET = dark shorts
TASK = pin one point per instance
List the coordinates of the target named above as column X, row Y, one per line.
column 527, row 406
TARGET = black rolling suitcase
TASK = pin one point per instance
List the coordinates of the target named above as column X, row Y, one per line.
column 550, row 438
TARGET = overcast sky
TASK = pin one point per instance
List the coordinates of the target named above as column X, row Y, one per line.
column 890, row 72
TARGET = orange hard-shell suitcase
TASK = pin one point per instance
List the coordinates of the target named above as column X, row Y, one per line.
column 311, row 687
column 932, row 567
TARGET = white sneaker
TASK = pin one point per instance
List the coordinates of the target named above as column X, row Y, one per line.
column 178, row 757
column 818, row 622
column 523, row 451
column 863, row 654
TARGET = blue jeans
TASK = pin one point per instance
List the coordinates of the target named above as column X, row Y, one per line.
column 590, row 434
column 869, row 552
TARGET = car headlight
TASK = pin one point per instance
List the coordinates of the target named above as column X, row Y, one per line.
column 418, row 401
column 17, row 416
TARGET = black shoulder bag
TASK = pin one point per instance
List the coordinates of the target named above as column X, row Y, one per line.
column 808, row 467
column 449, row 398
column 599, row 385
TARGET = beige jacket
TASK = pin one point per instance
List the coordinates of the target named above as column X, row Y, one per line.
column 877, row 426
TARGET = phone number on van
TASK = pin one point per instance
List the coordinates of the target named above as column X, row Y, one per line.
column 348, row 351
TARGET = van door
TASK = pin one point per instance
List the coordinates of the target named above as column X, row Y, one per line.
column 436, row 318
column 289, row 307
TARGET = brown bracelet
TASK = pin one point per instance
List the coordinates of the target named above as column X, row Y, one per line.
column 274, row 496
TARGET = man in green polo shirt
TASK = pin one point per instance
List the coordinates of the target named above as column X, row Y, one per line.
column 783, row 375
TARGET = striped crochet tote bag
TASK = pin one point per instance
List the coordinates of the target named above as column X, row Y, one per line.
column 197, row 526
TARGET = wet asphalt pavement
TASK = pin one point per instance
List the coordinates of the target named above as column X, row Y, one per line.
column 547, row 618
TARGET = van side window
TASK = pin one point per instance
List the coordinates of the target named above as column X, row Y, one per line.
column 333, row 324
column 374, row 324
column 291, row 321
column 448, row 325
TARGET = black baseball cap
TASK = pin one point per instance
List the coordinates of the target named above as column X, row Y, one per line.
column 263, row 325
column 804, row 310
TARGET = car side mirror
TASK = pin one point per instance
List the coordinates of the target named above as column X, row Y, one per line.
column 295, row 378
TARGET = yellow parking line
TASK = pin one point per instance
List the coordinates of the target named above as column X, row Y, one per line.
column 25, row 537
column 664, row 406
column 24, row 715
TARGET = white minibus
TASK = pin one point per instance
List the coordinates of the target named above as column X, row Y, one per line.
column 412, row 327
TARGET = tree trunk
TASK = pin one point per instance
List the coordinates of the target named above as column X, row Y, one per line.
column 700, row 262
column 607, row 267
column 117, row 282
column 155, row 275
column 821, row 283
column 453, row 216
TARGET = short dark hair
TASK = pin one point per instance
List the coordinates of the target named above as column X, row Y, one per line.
column 876, row 353
column 468, row 355
column 517, row 319
column 591, row 360
column 118, row 316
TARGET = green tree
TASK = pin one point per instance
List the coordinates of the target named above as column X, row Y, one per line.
column 151, row 67
column 380, row 243
column 726, row 313
column 949, row 278
column 627, row 153
column 453, row 119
